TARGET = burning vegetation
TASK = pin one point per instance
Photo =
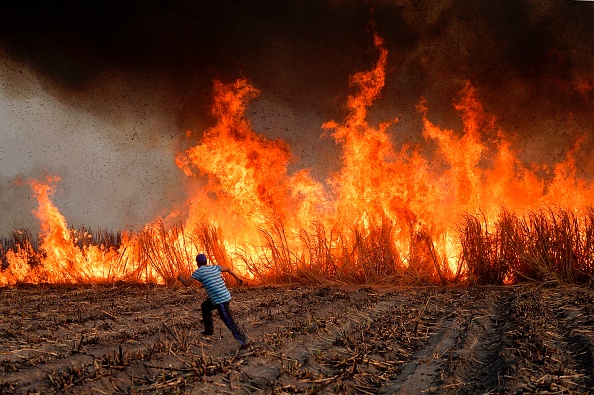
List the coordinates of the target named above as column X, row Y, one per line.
column 465, row 211
column 430, row 180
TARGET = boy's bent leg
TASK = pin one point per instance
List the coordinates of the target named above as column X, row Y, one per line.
column 207, row 307
column 225, row 313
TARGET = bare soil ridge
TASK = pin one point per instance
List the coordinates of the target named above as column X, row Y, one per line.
column 146, row 339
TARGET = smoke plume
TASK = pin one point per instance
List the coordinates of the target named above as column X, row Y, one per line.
column 101, row 93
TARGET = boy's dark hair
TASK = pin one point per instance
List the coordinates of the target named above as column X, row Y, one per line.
column 201, row 259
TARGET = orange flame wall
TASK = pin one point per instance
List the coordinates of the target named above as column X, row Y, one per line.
column 249, row 191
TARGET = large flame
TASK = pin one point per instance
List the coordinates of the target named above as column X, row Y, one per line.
column 60, row 259
column 390, row 208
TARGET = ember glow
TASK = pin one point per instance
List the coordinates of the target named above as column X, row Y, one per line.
column 388, row 211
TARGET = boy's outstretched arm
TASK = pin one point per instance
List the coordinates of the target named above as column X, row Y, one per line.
column 231, row 272
column 185, row 281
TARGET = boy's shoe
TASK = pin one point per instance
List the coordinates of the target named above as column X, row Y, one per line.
column 246, row 345
column 208, row 333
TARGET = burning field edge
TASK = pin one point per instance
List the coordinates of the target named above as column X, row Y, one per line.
column 542, row 246
column 389, row 215
column 134, row 339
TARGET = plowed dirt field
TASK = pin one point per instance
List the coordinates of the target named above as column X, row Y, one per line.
column 146, row 339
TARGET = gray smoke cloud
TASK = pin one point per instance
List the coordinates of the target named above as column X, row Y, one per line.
column 101, row 93
column 115, row 157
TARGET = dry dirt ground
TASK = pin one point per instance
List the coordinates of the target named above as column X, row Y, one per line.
column 146, row 339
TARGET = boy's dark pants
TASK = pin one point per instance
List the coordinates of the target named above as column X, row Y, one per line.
column 225, row 314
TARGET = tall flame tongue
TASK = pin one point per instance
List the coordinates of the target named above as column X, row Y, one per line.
column 66, row 258
column 246, row 172
column 248, row 186
column 368, row 182
column 63, row 256
column 388, row 212
column 379, row 186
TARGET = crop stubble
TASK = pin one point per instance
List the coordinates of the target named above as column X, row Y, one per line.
column 146, row 339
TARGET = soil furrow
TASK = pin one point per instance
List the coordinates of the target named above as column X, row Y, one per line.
column 446, row 351
column 476, row 363
column 327, row 340
column 573, row 308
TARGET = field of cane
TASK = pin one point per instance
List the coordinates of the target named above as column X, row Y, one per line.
column 516, row 315
column 145, row 339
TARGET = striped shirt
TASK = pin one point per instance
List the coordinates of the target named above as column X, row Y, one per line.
column 212, row 281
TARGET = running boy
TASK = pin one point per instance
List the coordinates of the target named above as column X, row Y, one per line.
column 218, row 297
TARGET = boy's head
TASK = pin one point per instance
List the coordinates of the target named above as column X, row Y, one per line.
column 201, row 259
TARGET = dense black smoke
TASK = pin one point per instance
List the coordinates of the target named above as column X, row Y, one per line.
column 127, row 61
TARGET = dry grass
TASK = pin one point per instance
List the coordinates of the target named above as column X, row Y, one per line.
column 21, row 242
column 166, row 251
column 481, row 252
column 107, row 239
column 547, row 245
column 357, row 255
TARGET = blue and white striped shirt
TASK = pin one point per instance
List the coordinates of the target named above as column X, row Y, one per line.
column 213, row 283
